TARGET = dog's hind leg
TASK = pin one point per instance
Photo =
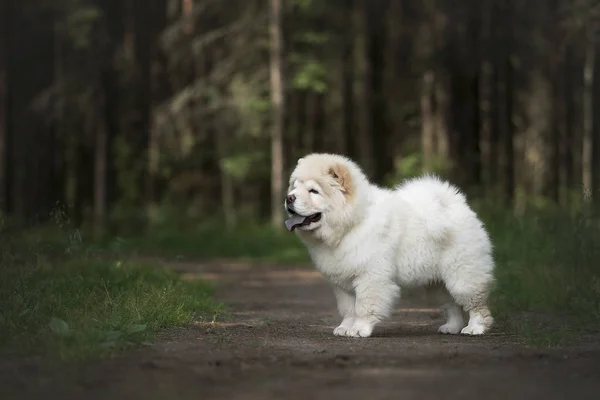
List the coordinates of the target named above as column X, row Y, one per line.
column 438, row 294
column 472, row 294
column 454, row 319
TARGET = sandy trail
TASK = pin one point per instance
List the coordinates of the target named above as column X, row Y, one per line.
column 277, row 343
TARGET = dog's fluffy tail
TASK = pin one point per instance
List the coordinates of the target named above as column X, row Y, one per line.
column 430, row 184
column 433, row 197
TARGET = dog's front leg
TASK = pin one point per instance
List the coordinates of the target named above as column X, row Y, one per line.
column 375, row 298
column 345, row 303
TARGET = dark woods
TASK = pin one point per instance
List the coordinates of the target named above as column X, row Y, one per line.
column 113, row 109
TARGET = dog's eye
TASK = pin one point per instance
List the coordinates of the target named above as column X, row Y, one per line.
column 313, row 191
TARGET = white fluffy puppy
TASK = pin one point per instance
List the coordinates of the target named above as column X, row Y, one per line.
column 370, row 242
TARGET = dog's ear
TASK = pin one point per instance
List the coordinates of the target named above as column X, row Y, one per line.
column 342, row 176
column 300, row 160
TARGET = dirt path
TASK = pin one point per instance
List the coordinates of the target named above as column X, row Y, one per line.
column 278, row 344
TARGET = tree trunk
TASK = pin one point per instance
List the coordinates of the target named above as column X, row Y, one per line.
column 537, row 146
column 395, row 71
column 228, row 197
column 348, row 72
column 504, row 109
column 365, row 92
column 70, row 141
column 187, row 7
column 226, row 180
column 556, row 116
column 496, row 59
column 486, row 92
column 300, row 136
column 148, row 27
column 4, row 35
column 100, row 158
column 588, row 116
column 153, row 163
column 440, row 56
column 465, row 116
column 318, row 122
column 278, row 112
column 289, row 140
column 508, row 133
column 153, row 149
column 427, row 121
column 566, row 146
column 377, row 122
column 441, row 119
column 596, row 129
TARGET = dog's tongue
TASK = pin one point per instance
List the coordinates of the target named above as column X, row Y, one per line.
column 294, row 221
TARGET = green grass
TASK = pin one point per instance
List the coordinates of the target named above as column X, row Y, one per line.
column 548, row 275
column 74, row 303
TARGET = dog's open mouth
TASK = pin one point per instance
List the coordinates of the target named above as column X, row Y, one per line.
column 297, row 220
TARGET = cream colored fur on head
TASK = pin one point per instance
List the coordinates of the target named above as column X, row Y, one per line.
column 370, row 243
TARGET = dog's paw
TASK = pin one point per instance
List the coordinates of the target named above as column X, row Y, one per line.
column 478, row 325
column 474, row 329
column 341, row 331
column 361, row 328
column 344, row 327
column 450, row 328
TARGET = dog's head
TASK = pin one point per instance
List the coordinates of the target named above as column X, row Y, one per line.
column 321, row 192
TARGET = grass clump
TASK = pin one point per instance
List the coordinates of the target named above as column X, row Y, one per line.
column 75, row 303
column 548, row 281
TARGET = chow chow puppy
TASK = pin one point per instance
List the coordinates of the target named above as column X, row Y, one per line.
column 370, row 242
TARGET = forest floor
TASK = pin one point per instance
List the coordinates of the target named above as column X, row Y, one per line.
column 276, row 342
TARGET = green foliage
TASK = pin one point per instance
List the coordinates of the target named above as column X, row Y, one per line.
column 87, row 304
column 239, row 166
column 314, row 38
column 80, row 21
column 313, row 7
column 304, row 5
column 310, row 68
column 312, row 76
column 548, row 285
column 411, row 165
column 252, row 106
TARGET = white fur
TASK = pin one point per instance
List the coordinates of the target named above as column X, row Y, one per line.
column 375, row 241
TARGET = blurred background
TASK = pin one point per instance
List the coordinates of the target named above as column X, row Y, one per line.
column 120, row 113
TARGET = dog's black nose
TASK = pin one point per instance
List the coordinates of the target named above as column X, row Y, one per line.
column 290, row 198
